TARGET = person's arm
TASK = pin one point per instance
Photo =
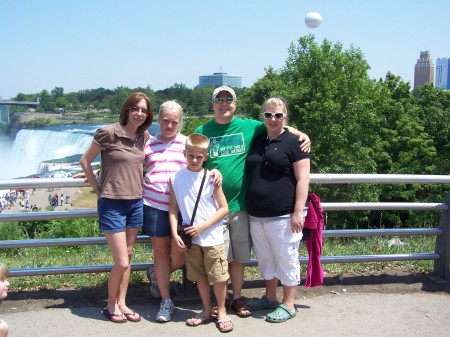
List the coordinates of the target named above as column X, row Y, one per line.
column 85, row 162
column 216, row 177
column 302, row 137
column 83, row 175
column 217, row 216
column 301, row 169
column 173, row 219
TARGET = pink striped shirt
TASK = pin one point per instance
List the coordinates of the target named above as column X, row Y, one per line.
column 162, row 161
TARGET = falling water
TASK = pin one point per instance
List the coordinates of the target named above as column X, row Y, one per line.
column 50, row 151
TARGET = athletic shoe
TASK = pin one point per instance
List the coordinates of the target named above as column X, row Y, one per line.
column 165, row 311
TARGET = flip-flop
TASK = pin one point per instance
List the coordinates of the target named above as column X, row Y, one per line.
column 239, row 307
column 281, row 314
column 203, row 320
column 132, row 316
column 223, row 320
column 112, row 317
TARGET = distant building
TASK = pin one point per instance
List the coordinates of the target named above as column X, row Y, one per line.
column 442, row 79
column 218, row 79
column 424, row 70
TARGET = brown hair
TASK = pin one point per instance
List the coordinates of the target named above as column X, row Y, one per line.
column 131, row 101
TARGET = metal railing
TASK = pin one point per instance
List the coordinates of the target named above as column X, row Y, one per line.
column 441, row 255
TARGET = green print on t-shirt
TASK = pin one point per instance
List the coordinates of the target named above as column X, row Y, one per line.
column 229, row 145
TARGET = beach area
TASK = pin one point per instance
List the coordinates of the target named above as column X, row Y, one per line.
column 39, row 199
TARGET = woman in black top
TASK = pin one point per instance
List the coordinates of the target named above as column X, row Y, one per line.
column 276, row 197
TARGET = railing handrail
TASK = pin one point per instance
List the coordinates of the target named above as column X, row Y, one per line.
column 315, row 178
column 441, row 256
column 326, row 206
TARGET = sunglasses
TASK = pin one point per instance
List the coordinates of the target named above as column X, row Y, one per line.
column 228, row 100
column 270, row 115
column 136, row 109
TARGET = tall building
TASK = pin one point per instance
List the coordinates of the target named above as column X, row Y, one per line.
column 424, row 70
column 442, row 73
column 218, row 79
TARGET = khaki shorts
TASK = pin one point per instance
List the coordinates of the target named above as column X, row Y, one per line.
column 236, row 234
column 207, row 262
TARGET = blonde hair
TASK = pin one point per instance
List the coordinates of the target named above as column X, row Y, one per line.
column 196, row 141
column 174, row 107
column 4, row 272
column 278, row 102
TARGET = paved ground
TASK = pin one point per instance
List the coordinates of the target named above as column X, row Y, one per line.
column 393, row 304
column 39, row 198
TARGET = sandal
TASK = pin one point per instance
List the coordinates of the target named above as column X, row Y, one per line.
column 238, row 305
column 224, row 324
column 132, row 316
column 203, row 319
column 281, row 314
column 262, row 303
column 115, row 318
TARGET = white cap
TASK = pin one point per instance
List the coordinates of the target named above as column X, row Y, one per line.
column 224, row 88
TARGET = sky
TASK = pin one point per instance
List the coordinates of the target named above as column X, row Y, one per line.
column 87, row 44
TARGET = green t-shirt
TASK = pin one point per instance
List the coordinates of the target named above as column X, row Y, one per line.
column 228, row 150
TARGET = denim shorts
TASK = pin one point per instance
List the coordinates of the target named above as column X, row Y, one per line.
column 116, row 215
column 156, row 222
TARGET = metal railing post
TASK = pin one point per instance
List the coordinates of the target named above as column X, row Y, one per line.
column 441, row 266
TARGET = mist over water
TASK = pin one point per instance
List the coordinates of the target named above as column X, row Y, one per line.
column 50, row 151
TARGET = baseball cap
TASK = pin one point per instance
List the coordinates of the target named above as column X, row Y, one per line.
column 224, row 88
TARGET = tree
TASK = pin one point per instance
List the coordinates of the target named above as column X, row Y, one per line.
column 47, row 102
column 330, row 97
column 58, row 92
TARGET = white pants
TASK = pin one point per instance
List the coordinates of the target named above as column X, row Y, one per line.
column 276, row 248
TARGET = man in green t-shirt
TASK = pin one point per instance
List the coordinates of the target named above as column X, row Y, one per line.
column 230, row 141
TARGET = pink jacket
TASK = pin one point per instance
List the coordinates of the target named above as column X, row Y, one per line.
column 314, row 221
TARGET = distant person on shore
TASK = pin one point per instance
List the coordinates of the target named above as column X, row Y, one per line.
column 231, row 139
column 164, row 156
column 276, row 197
column 61, row 199
column 202, row 208
column 55, row 200
column 119, row 192
column 4, row 288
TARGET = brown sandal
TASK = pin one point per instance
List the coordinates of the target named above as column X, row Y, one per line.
column 240, row 308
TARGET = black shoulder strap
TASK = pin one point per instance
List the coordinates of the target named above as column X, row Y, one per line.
column 198, row 197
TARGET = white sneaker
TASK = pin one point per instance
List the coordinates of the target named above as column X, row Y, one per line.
column 154, row 290
column 165, row 311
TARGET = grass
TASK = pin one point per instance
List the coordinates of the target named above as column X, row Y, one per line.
column 90, row 255
column 85, row 255
column 87, row 199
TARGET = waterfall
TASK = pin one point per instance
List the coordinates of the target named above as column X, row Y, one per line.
column 50, row 151
column 33, row 147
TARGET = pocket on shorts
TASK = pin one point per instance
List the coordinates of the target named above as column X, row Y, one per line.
column 222, row 262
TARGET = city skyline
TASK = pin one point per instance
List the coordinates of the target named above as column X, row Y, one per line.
column 90, row 44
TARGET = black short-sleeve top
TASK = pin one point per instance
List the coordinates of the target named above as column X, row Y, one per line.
column 272, row 181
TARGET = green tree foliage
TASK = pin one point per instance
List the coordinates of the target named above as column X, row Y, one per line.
column 357, row 124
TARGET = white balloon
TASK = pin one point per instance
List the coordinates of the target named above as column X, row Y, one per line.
column 313, row 19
